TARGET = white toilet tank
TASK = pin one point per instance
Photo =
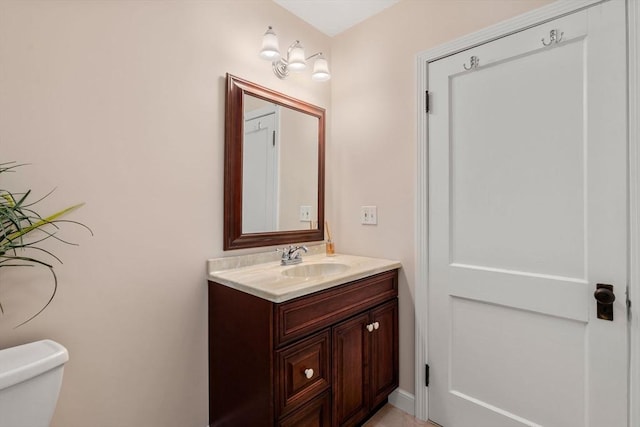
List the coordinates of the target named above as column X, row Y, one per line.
column 30, row 380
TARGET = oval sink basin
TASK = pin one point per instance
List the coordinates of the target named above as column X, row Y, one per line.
column 314, row 270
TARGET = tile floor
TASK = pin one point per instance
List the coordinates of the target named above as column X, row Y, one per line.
column 390, row 416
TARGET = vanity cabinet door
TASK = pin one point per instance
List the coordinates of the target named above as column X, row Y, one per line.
column 384, row 352
column 365, row 363
column 351, row 370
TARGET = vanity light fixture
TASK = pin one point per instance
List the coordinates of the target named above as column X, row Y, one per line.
column 295, row 59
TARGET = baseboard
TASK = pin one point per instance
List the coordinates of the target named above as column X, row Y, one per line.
column 403, row 400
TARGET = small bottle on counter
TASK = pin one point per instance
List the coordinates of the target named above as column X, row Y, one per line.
column 331, row 251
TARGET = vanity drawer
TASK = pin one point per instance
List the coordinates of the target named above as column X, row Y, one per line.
column 304, row 315
column 317, row 414
column 303, row 371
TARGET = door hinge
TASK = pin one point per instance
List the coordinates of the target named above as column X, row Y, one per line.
column 426, row 101
column 426, row 375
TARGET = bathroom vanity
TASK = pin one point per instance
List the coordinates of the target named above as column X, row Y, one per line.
column 310, row 345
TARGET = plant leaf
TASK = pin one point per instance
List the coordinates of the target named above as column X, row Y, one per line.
column 55, row 283
column 40, row 223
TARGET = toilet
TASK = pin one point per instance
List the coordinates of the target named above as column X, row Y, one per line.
column 30, row 380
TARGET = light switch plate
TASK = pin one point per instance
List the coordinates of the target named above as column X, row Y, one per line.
column 369, row 215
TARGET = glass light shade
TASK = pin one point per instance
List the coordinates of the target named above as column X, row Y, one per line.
column 270, row 49
column 296, row 60
column 321, row 70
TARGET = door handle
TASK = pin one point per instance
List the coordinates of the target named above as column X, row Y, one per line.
column 605, row 297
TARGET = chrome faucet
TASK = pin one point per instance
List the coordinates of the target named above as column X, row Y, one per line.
column 291, row 255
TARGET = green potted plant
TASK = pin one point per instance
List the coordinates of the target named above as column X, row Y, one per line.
column 22, row 230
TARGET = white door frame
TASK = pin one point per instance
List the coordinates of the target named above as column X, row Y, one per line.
column 519, row 23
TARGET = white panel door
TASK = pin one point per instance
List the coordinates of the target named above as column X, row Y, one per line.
column 260, row 174
column 527, row 213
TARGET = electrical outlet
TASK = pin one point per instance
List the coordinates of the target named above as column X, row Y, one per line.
column 305, row 213
column 369, row 215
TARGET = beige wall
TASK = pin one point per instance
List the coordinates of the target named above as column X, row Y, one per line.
column 373, row 149
column 121, row 105
column 298, row 169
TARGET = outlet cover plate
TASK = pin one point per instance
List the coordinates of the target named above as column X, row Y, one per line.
column 305, row 213
column 369, row 215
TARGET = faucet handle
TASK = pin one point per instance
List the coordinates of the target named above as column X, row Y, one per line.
column 297, row 249
column 285, row 252
column 291, row 252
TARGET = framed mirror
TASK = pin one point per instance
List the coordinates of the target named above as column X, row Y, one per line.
column 274, row 168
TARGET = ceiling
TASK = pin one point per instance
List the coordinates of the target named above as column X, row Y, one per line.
column 334, row 16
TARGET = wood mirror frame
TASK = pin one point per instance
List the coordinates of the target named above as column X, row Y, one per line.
column 234, row 238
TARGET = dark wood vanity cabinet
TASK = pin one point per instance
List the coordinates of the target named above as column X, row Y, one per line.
column 325, row 359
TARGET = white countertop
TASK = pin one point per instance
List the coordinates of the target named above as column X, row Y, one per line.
column 265, row 280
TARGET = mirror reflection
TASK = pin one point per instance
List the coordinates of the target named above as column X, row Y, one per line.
column 279, row 168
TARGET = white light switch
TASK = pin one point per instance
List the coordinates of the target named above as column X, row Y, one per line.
column 369, row 215
column 305, row 213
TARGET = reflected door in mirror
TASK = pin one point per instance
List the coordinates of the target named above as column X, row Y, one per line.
column 260, row 170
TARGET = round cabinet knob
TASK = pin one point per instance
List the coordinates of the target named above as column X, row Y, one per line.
column 376, row 325
column 308, row 373
column 370, row 327
column 604, row 296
